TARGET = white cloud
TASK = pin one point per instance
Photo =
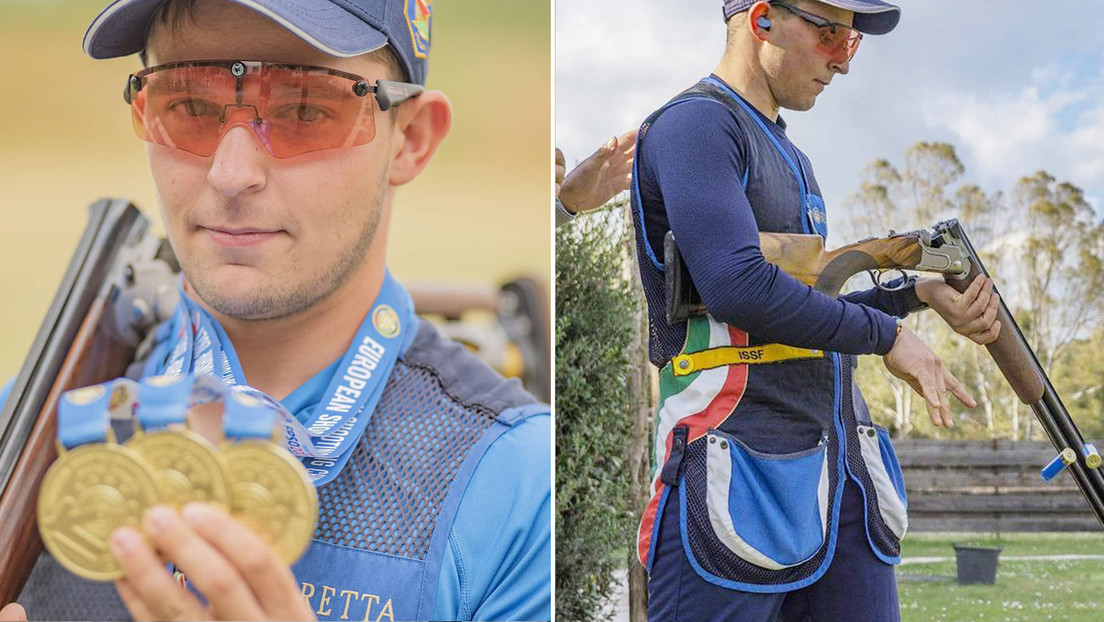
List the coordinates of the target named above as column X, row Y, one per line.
column 1014, row 97
column 1006, row 135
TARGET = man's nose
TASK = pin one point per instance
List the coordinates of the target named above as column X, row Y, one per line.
column 240, row 162
column 840, row 64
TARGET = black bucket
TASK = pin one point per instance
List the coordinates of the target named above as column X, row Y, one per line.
column 976, row 564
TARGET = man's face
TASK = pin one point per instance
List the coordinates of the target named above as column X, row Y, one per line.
column 799, row 70
column 260, row 237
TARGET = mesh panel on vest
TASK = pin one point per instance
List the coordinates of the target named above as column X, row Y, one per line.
column 664, row 340
column 388, row 496
column 879, row 532
column 54, row 593
column 716, row 558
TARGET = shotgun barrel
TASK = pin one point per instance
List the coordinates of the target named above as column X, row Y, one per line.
column 81, row 342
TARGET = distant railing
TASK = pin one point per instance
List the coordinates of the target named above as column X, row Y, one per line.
column 988, row 486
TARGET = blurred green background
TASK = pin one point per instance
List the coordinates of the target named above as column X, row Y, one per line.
column 479, row 213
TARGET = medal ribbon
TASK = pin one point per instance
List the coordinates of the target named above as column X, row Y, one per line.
column 84, row 415
column 326, row 436
column 162, row 402
column 247, row 417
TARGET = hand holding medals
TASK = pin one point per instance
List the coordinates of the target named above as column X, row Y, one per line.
column 97, row 486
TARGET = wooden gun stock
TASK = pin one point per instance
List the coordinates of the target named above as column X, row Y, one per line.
column 803, row 257
column 78, row 345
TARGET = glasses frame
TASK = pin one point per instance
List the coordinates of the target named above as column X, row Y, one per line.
column 389, row 93
column 823, row 22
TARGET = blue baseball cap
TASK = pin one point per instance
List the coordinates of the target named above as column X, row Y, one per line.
column 872, row 17
column 337, row 27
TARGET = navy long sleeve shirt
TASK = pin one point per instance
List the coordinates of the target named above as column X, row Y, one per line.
column 693, row 166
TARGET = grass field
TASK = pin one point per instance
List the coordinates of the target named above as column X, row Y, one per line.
column 1026, row 590
column 479, row 213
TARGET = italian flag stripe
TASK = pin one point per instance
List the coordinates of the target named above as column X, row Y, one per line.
column 702, row 400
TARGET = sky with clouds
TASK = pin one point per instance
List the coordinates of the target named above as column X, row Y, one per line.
column 1016, row 86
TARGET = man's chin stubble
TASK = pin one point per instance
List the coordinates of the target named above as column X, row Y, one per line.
column 277, row 300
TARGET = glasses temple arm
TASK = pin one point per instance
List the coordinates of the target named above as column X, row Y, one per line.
column 390, row 94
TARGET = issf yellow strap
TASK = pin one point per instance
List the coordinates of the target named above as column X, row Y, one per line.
column 685, row 364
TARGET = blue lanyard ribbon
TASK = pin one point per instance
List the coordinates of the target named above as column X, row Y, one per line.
column 326, row 435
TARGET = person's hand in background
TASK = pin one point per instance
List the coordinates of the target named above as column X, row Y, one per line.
column 598, row 178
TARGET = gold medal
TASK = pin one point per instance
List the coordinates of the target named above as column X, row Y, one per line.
column 87, row 494
column 273, row 496
column 188, row 467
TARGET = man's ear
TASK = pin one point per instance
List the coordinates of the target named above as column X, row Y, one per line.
column 758, row 22
column 421, row 123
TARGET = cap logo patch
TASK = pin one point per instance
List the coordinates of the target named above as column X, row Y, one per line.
column 418, row 15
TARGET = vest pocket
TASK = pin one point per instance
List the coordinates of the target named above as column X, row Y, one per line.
column 889, row 480
column 768, row 509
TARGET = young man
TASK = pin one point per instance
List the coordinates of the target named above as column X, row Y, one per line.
column 278, row 132
column 775, row 496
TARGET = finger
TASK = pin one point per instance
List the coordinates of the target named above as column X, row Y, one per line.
column 628, row 137
column 944, row 405
column 990, row 314
column 155, row 593
column 267, row 575
column 930, row 393
column 980, row 301
column 985, row 319
column 967, row 295
column 13, row 612
column 133, row 602
column 959, row 389
column 992, row 306
column 560, row 160
column 987, row 336
column 210, row 572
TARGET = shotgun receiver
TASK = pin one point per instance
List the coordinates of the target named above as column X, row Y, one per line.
column 112, row 293
column 944, row 249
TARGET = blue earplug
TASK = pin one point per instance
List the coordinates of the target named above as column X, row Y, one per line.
column 764, row 23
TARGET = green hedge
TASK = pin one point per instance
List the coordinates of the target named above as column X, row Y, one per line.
column 595, row 309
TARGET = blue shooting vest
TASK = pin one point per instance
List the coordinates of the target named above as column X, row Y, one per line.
column 384, row 521
column 754, row 455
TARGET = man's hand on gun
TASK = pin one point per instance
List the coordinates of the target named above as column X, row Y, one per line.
column 973, row 313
